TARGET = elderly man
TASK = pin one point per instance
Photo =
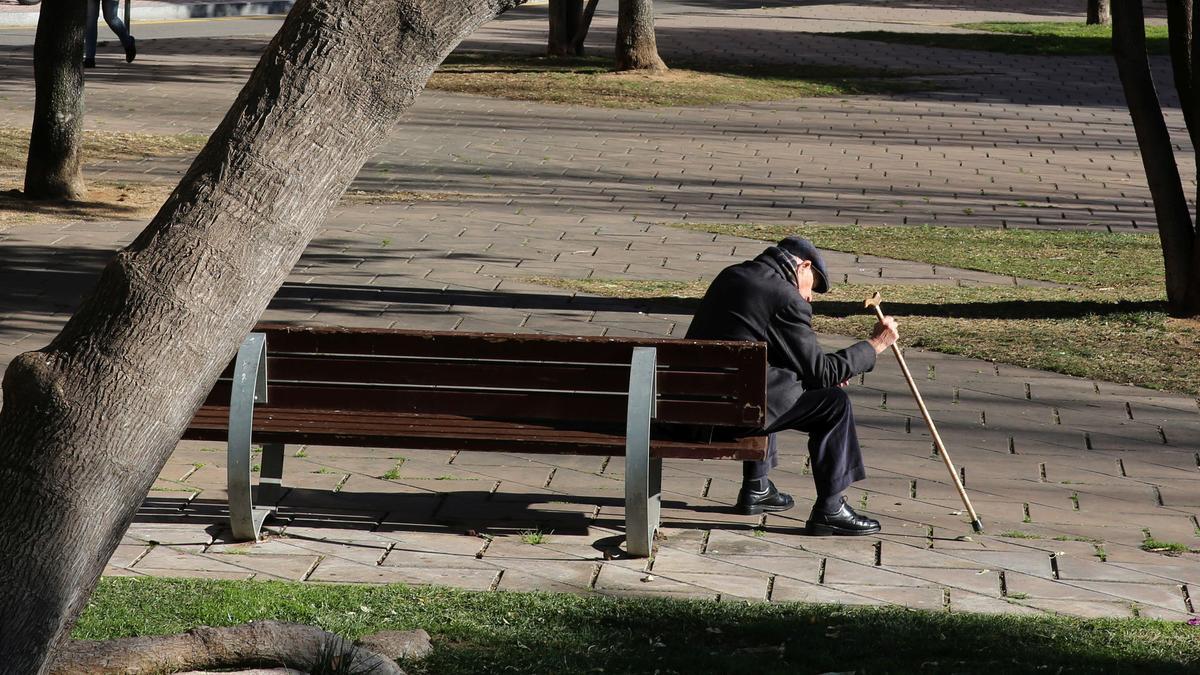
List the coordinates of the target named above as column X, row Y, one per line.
column 767, row 299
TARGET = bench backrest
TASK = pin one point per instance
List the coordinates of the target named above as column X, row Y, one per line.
column 506, row 376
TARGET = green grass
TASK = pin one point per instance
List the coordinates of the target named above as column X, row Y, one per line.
column 1111, row 326
column 1018, row 534
column 1030, row 38
column 590, row 81
column 543, row 633
column 1169, row 547
column 533, row 537
column 1094, row 259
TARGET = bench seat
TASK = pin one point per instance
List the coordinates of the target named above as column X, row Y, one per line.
column 427, row 390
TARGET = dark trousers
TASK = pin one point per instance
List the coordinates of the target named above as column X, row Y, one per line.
column 835, row 458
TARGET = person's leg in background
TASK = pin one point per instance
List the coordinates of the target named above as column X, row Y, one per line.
column 89, row 38
column 113, row 19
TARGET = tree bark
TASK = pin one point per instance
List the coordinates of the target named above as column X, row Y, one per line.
column 89, row 421
column 1098, row 12
column 585, row 23
column 1180, row 245
column 566, row 19
column 54, row 169
column 564, row 23
column 261, row 644
column 636, row 46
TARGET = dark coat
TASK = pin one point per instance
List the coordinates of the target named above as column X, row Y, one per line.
column 757, row 300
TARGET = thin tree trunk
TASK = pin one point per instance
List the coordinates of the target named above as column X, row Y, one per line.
column 1181, row 250
column 89, row 420
column 54, row 168
column 1098, row 12
column 585, row 23
column 566, row 17
column 636, row 46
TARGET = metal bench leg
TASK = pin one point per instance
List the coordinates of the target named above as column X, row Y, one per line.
column 270, row 479
column 643, row 476
column 249, row 386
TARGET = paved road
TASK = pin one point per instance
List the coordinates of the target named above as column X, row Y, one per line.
column 569, row 191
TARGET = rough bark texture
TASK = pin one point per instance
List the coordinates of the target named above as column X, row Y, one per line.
column 54, row 168
column 1180, row 245
column 585, row 23
column 566, row 19
column 636, row 46
column 89, row 421
column 259, row 644
column 1098, row 12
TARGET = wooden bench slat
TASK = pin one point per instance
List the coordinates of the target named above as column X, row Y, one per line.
column 461, row 372
column 450, row 432
column 505, row 346
column 555, row 405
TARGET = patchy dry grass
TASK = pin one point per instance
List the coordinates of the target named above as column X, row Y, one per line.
column 106, row 201
column 397, row 197
column 590, row 81
column 102, row 145
column 1111, row 326
column 125, row 200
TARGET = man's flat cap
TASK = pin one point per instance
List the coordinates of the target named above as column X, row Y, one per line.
column 804, row 250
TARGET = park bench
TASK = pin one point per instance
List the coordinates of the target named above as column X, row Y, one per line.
column 483, row 392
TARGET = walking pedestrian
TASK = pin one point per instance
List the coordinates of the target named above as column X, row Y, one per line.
column 114, row 22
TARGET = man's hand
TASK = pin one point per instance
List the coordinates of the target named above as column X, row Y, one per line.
column 884, row 334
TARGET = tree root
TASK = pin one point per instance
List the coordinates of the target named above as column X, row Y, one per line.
column 263, row 644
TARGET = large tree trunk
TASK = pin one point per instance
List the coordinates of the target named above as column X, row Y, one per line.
column 566, row 20
column 636, row 46
column 1098, row 12
column 90, row 420
column 54, row 169
column 1180, row 245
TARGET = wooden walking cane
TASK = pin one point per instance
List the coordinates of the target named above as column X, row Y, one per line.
column 874, row 301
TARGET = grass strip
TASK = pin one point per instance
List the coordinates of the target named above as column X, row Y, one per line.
column 590, row 81
column 480, row 632
column 1111, row 326
column 1039, row 38
column 1092, row 259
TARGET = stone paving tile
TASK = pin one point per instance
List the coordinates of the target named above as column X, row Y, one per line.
column 790, row 590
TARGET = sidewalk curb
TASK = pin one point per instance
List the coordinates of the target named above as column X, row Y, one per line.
column 160, row 12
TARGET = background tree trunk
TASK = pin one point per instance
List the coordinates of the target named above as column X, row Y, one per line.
column 54, row 169
column 566, row 20
column 1098, row 12
column 636, row 46
column 89, row 421
column 1180, row 245
column 585, row 23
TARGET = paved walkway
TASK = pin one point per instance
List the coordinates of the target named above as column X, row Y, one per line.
column 1085, row 469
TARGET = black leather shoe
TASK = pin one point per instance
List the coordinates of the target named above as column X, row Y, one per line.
column 751, row 502
column 89, row 63
column 844, row 522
